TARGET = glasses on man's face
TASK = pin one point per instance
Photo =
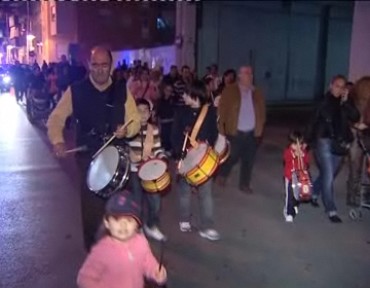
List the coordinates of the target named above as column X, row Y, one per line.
column 96, row 66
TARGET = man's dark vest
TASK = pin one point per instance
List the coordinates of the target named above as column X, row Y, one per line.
column 97, row 114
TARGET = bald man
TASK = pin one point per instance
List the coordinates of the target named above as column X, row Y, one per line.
column 99, row 106
column 242, row 116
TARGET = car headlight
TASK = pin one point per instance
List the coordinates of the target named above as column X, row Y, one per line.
column 7, row 79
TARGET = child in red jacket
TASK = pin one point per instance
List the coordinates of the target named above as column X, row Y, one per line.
column 296, row 163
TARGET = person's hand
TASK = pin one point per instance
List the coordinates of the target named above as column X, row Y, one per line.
column 298, row 153
column 160, row 276
column 361, row 126
column 216, row 102
column 120, row 133
column 60, row 150
column 164, row 158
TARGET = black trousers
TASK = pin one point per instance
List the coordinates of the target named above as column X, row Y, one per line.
column 166, row 130
column 19, row 92
column 243, row 147
column 92, row 206
column 290, row 200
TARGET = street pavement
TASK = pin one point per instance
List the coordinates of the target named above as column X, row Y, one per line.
column 40, row 226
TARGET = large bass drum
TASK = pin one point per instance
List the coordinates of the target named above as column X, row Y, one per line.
column 108, row 172
column 199, row 165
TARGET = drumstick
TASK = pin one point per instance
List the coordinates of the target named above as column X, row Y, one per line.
column 182, row 151
column 112, row 138
column 161, row 257
column 78, row 149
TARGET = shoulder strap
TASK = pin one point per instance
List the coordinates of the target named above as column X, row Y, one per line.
column 198, row 124
column 148, row 142
column 109, row 107
column 146, row 90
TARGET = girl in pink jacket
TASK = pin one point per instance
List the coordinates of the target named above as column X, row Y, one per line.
column 123, row 257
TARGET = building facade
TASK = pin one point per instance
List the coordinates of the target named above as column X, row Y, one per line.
column 75, row 27
column 360, row 42
column 295, row 47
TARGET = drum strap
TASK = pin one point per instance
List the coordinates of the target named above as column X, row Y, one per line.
column 198, row 125
column 148, row 142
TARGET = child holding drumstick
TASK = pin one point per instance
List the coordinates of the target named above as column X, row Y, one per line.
column 195, row 98
column 123, row 257
column 145, row 145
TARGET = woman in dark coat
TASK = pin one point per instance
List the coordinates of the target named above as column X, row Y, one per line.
column 330, row 136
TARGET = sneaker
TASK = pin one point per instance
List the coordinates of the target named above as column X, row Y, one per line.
column 335, row 219
column 185, row 227
column 289, row 218
column 246, row 190
column 154, row 233
column 210, row 234
column 314, row 203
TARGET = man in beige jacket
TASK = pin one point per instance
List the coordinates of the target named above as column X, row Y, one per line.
column 242, row 116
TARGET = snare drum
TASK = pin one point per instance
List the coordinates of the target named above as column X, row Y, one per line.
column 222, row 147
column 108, row 172
column 199, row 164
column 154, row 175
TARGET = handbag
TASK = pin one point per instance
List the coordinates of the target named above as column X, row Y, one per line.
column 339, row 146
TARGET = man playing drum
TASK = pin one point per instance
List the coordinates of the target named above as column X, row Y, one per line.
column 146, row 153
column 195, row 98
column 99, row 106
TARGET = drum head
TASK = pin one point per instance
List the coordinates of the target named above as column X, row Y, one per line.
column 102, row 169
column 152, row 169
column 220, row 143
column 193, row 158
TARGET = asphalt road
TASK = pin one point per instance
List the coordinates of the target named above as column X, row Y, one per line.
column 40, row 225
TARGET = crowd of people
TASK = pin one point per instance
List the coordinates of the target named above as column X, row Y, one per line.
column 167, row 115
column 47, row 81
column 164, row 91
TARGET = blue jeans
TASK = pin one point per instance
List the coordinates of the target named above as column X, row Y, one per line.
column 151, row 200
column 204, row 193
column 328, row 165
